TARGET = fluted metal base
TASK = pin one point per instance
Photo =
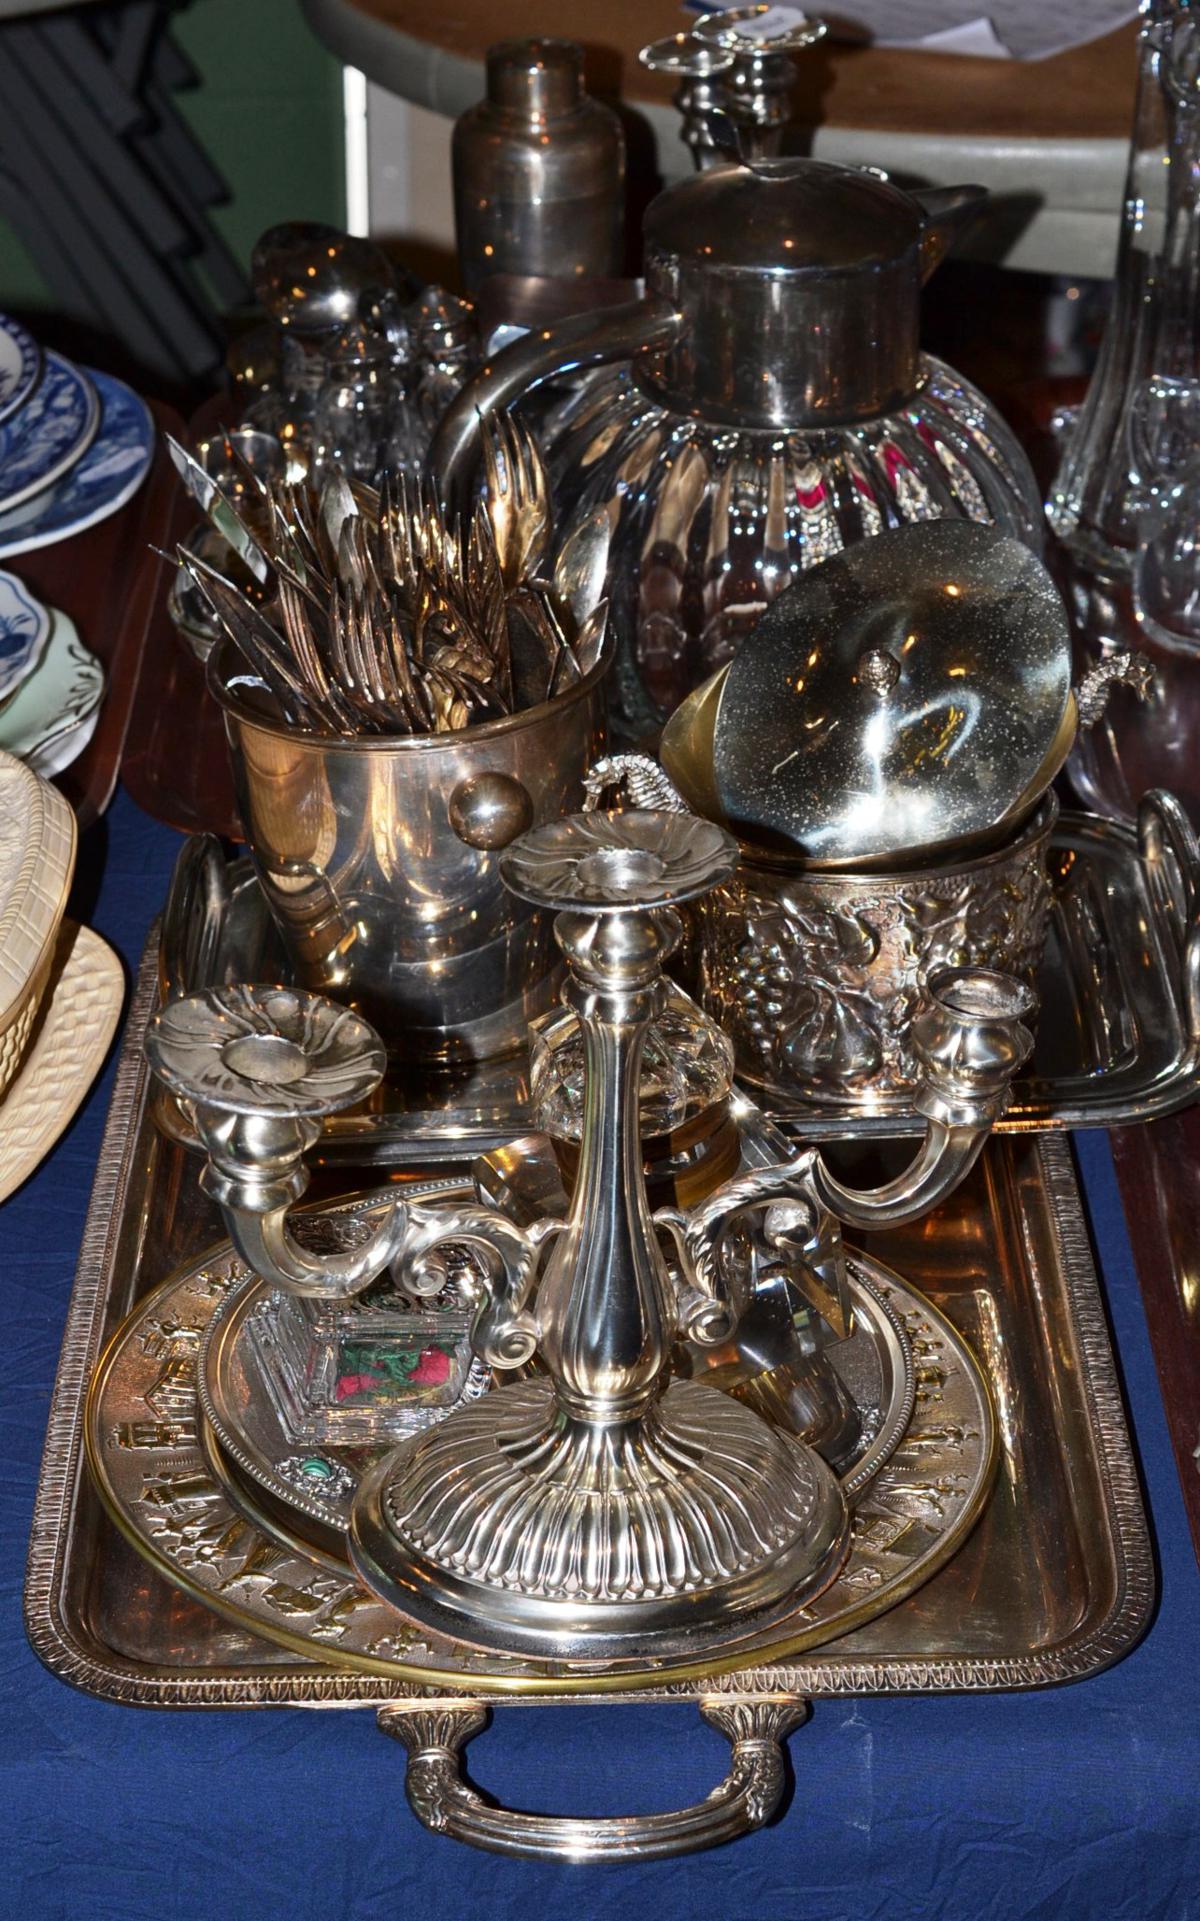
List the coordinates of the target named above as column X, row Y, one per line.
column 512, row 1526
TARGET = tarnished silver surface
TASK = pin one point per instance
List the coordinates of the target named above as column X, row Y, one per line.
column 894, row 705
column 539, row 170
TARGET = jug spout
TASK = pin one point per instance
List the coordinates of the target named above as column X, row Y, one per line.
column 948, row 212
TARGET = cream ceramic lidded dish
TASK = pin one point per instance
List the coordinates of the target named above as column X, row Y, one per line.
column 37, row 861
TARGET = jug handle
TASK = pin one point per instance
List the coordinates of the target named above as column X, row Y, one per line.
column 584, row 340
column 948, row 211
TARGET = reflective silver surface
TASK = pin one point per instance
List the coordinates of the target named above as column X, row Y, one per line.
column 311, row 278
column 539, row 170
column 736, row 78
column 598, row 1512
column 896, row 702
column 769, row 1368
column 378, row 614
column 137, row 1434
column 818, row 978
column 799, row 285
column 260, row 1068
column 696, row 1521
column 777, row 407
column 381, row 870
column 1045, row 1590
column 1116, row 1042
column 708, row 523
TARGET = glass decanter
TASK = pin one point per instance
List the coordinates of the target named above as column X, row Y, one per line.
column 1128, row 431
column 689, row 1138
column 1125, row 501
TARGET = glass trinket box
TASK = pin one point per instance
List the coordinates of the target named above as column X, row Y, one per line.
column 359, row 1372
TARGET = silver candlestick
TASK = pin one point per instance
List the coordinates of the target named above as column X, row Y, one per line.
column 601, row 1509
column 606, row 1508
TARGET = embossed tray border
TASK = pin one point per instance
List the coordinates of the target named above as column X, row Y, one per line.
column 103, row 1672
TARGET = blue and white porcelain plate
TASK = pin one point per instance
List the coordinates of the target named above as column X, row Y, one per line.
column 20, row 365
column 46, row 437
column 109, row 474
column 24, row 627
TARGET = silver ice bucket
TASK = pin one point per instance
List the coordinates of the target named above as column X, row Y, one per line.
column 816, row 975
column 380, row 860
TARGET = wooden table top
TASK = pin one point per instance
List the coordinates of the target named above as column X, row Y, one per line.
column 1084, row 94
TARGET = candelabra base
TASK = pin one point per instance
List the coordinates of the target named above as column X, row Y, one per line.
column 513, row 1526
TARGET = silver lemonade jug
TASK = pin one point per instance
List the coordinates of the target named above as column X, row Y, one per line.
column 769, row 405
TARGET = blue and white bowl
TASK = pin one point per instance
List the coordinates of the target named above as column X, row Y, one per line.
column 24, row 628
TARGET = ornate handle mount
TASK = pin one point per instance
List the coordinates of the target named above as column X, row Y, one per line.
column 441, row 1799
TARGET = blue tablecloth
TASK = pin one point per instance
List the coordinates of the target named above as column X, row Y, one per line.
column 1077, row 1802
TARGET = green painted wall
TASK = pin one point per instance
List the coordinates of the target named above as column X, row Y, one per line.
column 268, row 110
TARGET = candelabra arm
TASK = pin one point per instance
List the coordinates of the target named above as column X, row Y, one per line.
column 602, row 1505
column 970, row 1040
column 499, row 1283
column 270, row 1249
column 712, row 1285
column 261, row 1067
column 945, row 1157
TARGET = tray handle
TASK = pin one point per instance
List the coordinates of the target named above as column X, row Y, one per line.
column 1171, row 855
column 442, row 1800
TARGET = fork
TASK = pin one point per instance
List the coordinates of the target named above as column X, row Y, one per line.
column 518, row 498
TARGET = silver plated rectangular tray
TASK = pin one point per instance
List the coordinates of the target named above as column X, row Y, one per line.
column 1055, row 1582
column 1118, row 1038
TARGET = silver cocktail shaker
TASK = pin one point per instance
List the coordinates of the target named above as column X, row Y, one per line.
column 539, row 170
